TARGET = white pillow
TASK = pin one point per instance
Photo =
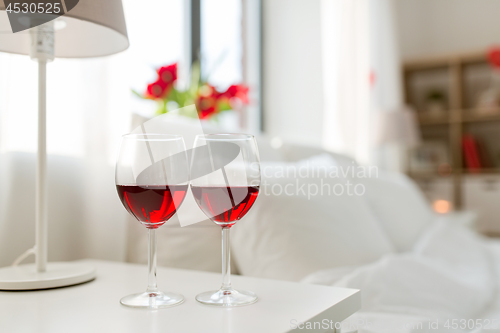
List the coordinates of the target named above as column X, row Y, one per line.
column 290, row 236
column 292, row 152
column 400, row 207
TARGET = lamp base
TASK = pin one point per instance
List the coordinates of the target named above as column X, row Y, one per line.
column 58, row 274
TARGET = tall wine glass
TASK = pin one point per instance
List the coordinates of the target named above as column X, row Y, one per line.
column 152, row 179
column 225, row 180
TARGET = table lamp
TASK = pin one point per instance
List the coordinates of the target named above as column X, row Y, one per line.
column 397, row 129
column 397, row 126
column 90, row 28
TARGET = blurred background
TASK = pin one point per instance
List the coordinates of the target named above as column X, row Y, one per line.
column 411, row 86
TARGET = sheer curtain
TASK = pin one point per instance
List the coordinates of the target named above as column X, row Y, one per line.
column 89, row 107
column 361, row 72
column 346, row 90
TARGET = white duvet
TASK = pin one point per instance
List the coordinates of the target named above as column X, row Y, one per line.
column 448, row 283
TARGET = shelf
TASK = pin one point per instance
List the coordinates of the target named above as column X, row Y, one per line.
column 435, row 174
column 451, row 73
column 429, row 174
column 483, row 171
column 426, row 120
column 475, row 116
column 468, row 116
column 441, row 61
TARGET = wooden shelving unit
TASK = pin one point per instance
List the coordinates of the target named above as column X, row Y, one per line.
column 460, row 112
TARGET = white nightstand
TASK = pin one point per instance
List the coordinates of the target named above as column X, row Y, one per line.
column 94, row 306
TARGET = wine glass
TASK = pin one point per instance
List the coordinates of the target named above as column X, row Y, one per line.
column 225, row 180
column 152, row 179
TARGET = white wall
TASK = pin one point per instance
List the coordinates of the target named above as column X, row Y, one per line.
column 434, row 27
column 292, row 66
column 292, row 77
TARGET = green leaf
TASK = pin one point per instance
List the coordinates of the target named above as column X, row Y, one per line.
column 172, row 94
column 195, row 78
column 181, row 97
column 138, row 94
column 224, row 106
column 162, row 107
column 190, row 112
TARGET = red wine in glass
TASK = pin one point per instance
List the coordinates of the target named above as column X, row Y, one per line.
column 152, row 205
column 152, row 179
column 225, row 204
column 225, row 180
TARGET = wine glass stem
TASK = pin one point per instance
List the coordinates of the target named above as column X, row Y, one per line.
column 226, row 260
column 152, row 287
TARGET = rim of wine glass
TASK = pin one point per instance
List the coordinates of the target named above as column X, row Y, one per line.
column 152, row 136
column 222, row 136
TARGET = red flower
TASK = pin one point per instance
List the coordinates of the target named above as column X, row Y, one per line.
column 238, row 91
column 158, row 89
column 168, row 74
column 207, row 107
column 494, row 56
column 166, row 77
column 207, row 101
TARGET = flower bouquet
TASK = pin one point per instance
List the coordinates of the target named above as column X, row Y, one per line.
column 208, row 100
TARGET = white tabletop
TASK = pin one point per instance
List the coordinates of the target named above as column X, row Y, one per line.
column 94, row 306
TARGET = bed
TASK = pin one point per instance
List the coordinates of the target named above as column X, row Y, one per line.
column 322, row 218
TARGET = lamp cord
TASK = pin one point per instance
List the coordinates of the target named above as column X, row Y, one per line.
column 25, row 255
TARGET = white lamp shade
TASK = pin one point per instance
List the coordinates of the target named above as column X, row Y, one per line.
column 94, row 28
column 398, row 126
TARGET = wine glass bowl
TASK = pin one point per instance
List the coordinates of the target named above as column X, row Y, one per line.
column 225, row 205
column 152, row 205
column 225, row 180
column 152, row 179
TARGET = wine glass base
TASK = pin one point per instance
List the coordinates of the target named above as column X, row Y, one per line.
column 152, row 300
column 227, row 298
